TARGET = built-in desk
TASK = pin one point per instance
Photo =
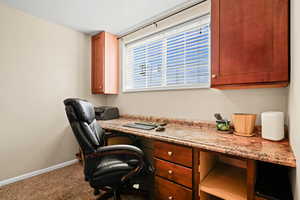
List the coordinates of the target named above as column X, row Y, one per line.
column 222, row 165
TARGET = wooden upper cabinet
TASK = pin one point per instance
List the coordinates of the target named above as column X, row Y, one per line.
column 105, row 64
column 250, row 44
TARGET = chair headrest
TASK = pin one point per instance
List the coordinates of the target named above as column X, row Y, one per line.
column 84, row 109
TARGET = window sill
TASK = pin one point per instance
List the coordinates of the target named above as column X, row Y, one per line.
column 166, row 88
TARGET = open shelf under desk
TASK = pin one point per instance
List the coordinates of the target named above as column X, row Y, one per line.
column 226, row 182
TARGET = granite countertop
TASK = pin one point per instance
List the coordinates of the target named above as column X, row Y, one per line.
column 205, row 136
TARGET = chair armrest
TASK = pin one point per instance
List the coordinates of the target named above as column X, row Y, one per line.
column 108, row 135
column 143, row 163
column 120, row 150
column 117, row 150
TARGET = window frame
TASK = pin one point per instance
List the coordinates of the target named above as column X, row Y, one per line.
column 205, row 19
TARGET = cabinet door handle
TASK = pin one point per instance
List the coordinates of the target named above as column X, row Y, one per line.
column 170, row 153
column 170, row 172
column 170, row 198
column 214, row 76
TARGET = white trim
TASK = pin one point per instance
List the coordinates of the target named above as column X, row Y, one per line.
column 160, row 16
column 198, row 20
column 123, row 63
column 185, row 87
column 38, row 172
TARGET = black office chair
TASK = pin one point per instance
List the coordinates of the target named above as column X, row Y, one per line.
column 107, row 168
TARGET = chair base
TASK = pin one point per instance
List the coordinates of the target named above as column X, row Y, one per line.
column 116, row 194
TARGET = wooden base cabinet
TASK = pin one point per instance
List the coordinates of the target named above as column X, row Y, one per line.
column 250, row 43
column 105, row 64
column 225, row 177
column 185, row 173
column 174, row 172
column 166, row 190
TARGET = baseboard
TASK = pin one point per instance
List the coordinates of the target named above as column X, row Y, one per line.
column 38, row 172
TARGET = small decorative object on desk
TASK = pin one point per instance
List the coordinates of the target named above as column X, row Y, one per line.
column 244, row 124
column 272, row 125
column 223, row 125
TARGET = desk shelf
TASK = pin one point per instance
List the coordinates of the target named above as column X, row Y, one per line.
column 226, row 182
column 226, row 177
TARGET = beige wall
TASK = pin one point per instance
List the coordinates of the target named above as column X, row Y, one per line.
column 294, row 93
column 40, row 65
column 200, row 103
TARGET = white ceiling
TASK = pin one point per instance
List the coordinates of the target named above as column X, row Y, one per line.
column 91, row 16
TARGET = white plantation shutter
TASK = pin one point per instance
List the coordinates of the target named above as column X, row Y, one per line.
column 175, row 58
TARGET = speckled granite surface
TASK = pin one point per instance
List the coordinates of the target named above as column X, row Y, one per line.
column 203, row 135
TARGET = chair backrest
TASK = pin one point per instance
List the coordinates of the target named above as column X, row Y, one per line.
column 87, row 131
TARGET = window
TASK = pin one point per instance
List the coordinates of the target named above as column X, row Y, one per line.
column 178, row 57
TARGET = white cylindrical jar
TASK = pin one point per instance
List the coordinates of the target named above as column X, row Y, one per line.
column 272, row 125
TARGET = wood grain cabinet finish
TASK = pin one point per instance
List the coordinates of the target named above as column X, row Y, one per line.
column 173, row 172
column 175, row 153
column 250, row 42
column 105, row 64
column 166, row 190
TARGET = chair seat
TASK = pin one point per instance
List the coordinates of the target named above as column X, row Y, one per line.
column 111, row 170
column 112, row 164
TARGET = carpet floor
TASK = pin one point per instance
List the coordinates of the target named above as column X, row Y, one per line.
column 63, row 184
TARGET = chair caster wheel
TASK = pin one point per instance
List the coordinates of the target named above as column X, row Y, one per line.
column 96, row 192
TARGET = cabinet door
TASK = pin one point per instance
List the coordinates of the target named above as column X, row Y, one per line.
column 98, row 50
column 111, row 70
column 249, row 41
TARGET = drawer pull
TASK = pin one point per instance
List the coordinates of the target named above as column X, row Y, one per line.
column 170, row 198
column 170, row 153
column 170, row 172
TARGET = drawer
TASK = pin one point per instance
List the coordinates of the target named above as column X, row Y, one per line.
column 174, row 153
column 166, row 190
column 173, row 172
